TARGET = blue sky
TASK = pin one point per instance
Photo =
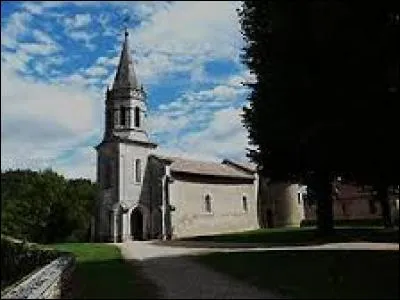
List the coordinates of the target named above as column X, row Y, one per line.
column 58, row 57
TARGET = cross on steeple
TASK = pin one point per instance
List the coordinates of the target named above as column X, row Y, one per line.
column 126, row 20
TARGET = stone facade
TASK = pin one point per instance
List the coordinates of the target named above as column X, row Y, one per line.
column 281, row 204
column 228, row 213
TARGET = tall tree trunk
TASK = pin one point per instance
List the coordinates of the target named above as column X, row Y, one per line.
column 383, row 198
column 322, row 187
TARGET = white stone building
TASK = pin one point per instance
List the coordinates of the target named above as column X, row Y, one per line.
column 144, row 195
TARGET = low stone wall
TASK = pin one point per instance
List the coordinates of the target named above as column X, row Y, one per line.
column 53, row 281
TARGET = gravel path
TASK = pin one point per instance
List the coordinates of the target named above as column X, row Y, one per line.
column 169, row 266
column 178, row 277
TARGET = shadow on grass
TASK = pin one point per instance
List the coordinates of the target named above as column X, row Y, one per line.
column 108, row 279
column 101, row 272
column 314, row 274
column 287, row 237
column 308, row 274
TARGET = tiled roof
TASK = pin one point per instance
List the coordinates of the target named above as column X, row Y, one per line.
column 248, row 166
column 189, row 166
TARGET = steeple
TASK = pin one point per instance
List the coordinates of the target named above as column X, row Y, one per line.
column 125, row 76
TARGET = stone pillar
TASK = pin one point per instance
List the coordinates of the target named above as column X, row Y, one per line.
column 114, row 226
column 163, row 210
column 128, row 225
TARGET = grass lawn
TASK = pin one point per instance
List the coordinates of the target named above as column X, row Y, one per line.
column 303, row 236
column 102, row 273
column 314, row 274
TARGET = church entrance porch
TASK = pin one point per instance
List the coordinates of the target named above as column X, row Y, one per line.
column 137, row 224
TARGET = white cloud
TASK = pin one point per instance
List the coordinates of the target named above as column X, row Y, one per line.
column 38, row 49
column 106, row 25
column 192, row 28
column 183, row 35
column 81, row 165
column 224, row 137
column 45, row 46
column 32, row 7
column 96, row 71
column 25, row 52
column 239, row 79
column 40, row 121
column 108, row 61
column 38, row 7
column 16, row 25
column 77, row 21
column 83, row 36
column 17, row 61
column 42, row 37
column 145, row 9
column 204, row 124
column 21, row 98
column 220, row 95
column 161, row 123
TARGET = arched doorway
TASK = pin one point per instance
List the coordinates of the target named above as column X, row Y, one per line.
column 137, row 224
column 270, row 218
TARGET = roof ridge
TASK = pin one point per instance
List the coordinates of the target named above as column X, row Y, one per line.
column 212, row 168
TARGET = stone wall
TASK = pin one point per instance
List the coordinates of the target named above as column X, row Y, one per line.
column 280, row 204
column 53, row 281
column 156, row 172
column 227, row 214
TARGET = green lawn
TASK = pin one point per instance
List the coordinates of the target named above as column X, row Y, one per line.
column 102, row 273
column 314, row 274
column 303, row 236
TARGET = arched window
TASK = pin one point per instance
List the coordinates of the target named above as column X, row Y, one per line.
column 107, row 174
column 109, row 122
column 122, row 116
column 244, row 203
column 138, row 170
column 372, row 207
column 137, row 116
column 128, row 117
column 207, row 203
column 116, row 117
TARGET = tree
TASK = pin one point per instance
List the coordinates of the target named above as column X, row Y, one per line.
column 374, row 158
column 45, row 207
column 315, row 63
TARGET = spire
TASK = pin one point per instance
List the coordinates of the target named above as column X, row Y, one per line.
column 125, row 77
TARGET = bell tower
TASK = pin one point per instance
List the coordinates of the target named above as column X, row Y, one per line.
column 122, row 154
column 126, row 108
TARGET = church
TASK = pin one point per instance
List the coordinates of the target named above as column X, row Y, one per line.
column 144, row 195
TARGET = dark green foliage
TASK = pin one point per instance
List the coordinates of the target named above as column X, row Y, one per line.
column 19, row 259
column 44, row 207
column 327, row 73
